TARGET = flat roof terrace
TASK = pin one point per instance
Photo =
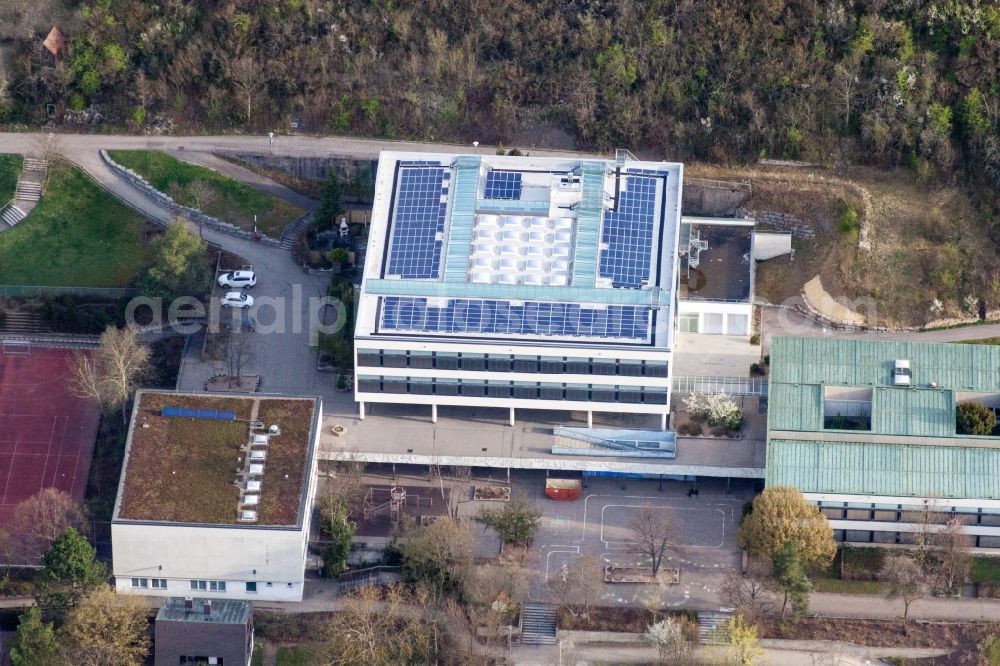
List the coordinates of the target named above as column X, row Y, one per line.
column 180, row 469
column 482, row 437
column 724, row 271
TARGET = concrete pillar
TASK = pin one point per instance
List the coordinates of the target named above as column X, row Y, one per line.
column 361, row 410
column 434, row 413
column 590, row 418
column 663, row 421
column 512, row 416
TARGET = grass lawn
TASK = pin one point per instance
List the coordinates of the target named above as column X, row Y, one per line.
column 835, row 585
column 859, row 566
column 983, row 341
column 233, row 202
column 985, row 570
column 10, row 169
column 298, row 655
column 77, row 236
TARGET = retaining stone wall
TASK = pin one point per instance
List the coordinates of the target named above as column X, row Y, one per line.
column 192, row 214
column 782, row 222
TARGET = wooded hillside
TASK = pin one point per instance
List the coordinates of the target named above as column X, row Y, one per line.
column 905, row 82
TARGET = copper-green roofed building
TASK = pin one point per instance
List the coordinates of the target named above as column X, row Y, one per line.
column 867, row 429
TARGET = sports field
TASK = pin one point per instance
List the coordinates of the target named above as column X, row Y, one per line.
column 46, row 433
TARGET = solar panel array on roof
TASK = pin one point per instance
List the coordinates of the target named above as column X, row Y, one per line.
column 191, row 413
column 477, row 316
column 503, row 185
column 627, row 233
column 418, row 223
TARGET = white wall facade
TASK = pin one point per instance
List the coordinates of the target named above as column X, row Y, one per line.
column 175, row 554
column 709, row 312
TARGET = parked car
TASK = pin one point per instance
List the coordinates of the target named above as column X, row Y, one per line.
column 237, row 299
column 238, row 279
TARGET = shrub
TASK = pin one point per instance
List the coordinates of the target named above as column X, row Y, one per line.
column 755, row 369
column 339, row 256
column 973, row 418
column 847, row 221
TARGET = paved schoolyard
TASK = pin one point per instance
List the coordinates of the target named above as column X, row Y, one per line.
column 703, row 535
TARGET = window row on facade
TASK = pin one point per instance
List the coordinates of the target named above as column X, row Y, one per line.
column 393, row 358
column 904, row 538
column 520, row 390
column 888, row 513
column 194, row 585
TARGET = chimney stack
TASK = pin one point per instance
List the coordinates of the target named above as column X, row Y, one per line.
column 188, row 603
column 208, row 606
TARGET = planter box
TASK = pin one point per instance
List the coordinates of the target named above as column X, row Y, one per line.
column 641, row 575
column 491, row 493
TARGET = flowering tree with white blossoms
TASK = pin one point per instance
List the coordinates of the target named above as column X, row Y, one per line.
column 717, row 408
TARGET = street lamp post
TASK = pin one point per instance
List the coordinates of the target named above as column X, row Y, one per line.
column 270, row 141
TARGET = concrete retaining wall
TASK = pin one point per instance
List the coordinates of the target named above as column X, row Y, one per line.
column 192, row 214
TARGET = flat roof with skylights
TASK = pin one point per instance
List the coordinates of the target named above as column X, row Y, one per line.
column 522, row 250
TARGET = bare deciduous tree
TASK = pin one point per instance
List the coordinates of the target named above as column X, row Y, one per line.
column 651, row 529
column 246, row 74
column 376, row 628
column 111, row 373
column 239, row 352
column 202, row 195
column 906, row 581
column 46, row 515
column 455, row 485
column 747, row 593
column 953, row 561
column 578, row 583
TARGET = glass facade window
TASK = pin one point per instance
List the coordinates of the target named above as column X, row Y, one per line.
column 393, row 358
column 526, row 364
column 421, row 359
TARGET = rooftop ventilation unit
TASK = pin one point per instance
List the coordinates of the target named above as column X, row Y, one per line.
column 253, row 486
column 250, row 500
column 248, row 516
column 274, row 429
column 258, row 455
column 256, row 470
column 901, row 372
column 259, row 440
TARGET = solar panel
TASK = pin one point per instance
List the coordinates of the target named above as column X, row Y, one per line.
column 503, row 185
column 465, row 316
column 628, row 233
column 421, row 202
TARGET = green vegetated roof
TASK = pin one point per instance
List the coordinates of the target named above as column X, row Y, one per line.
column 893, row 470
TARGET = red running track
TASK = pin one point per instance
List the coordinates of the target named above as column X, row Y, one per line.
column 46, row 433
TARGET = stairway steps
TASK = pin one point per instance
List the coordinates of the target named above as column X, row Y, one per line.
column 11, row 216
column 538, row 624
column 709, row 625
column 23, row 322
